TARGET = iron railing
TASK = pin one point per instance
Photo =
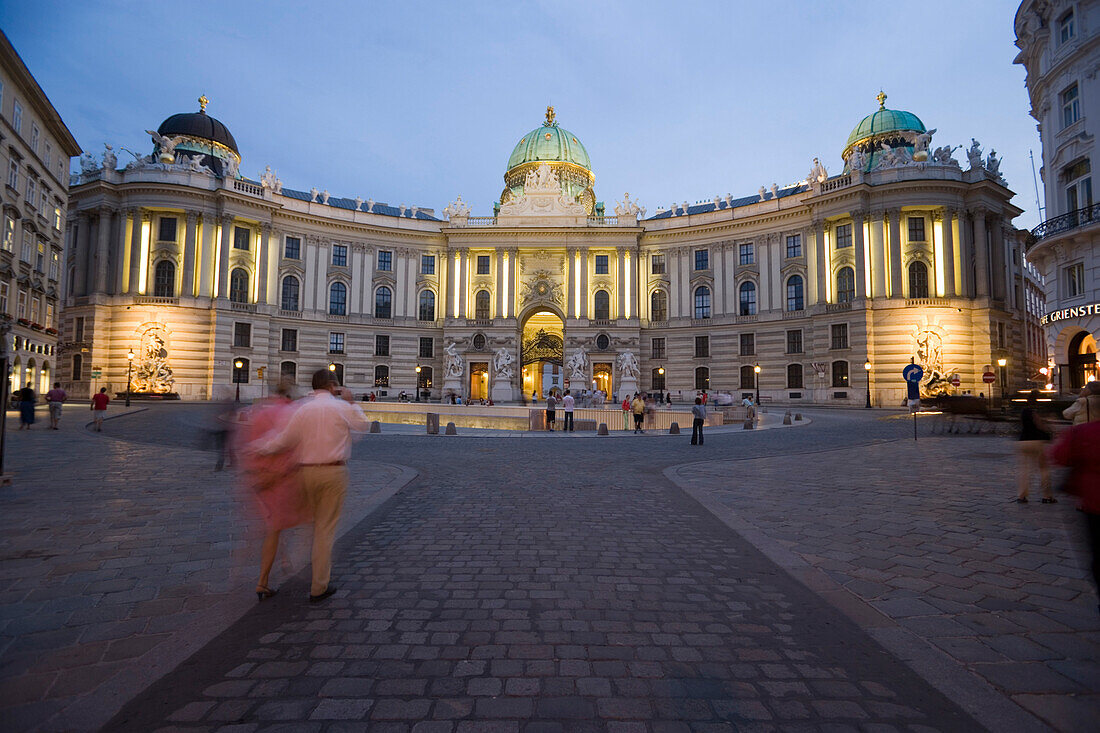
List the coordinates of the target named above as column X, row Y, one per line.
column 1064, row 223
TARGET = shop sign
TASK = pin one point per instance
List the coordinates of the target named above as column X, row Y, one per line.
column 1079, row 311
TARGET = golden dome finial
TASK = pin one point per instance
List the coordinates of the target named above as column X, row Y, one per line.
column 549, row 115
column 881, row 97
column 203, row 101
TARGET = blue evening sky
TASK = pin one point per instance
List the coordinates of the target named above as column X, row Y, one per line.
column 417, row 102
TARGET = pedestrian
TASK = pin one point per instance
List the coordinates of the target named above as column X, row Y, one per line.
column 319, row 434
column 26, row 407
column 99, row 408
column 637, row 408
column 567, row 403
column 1079, row 449
column 55, row 398
column 1085, row 408
column 698, row 416
column 551, row 404
column 273, row 478
column 1031, row 448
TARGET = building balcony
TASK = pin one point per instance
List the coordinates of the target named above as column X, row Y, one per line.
column 155, row 300
column 1064, row 223
column 836, row 307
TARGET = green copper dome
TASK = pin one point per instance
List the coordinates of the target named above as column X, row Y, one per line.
column 884, row 121
column 549, row 143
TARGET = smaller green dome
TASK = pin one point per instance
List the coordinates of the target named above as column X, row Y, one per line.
column 885, row 121
column 549, row 143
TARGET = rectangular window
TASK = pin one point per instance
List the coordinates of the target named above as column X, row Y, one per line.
column 381, row 345
column 1066, row 27
column 335, row 343
column 1075, row 280
column 916, row 229
column 601, row 264
column 28, row 247
column 658, row 348
column 166, row 231
column 44, row 203
column 339, row 255
column 49, row 315
column 657, row 264
column 748, row 344
column 21, row 303
column 292, row 248
column 702, row 259
column 47, row 157
column 32, row 187
column 242, row 238
column 794, row 341
column 40, row 257
column 36, row 307
column 55, row 265
column 289, row 341
column 840, row 374
column 844, row 236
column 794, row 245
column 13, row 173
column 78, row 328
column 57, row 218
column 3, row 297
column 1071, row 106
column 8, row 243
column 839, row 332
column 17, row 117
column 385, row 261
column 746, row 255
column 427, row 347
column 483, row 264
column 427, row 264
column 1000, row 334
column 702, row 346
column 242, row 335
column 34, row 137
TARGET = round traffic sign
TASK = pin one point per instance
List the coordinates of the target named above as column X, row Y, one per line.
column 955, row 381
column 912, row 373
column 989, row 377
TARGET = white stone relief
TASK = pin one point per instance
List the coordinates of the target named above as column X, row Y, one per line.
column 542, row 197
column 576, row 366
column 920, row 145
column 502, row 364
column 628, row 367
column 230, row 166
column 974, row 155
column 270, row 181
column 110, row 161
column 452, row 362
column 817, row 173
column 165, row 146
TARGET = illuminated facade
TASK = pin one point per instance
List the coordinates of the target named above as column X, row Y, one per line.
column 903, row 255
column 1059, row 45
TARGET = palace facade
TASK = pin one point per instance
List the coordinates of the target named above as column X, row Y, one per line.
column 195, row 280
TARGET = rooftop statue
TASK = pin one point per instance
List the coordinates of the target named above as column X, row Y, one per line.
column 110, row 160
column 857, row 160
column 974, row 154
column 166, row 146
column 626, row 207
column 920, row 144
column 195, row 164
column 817, row 173
column 457, row 209
column 230, row 166
column 943, row 155
column 268, row 179
column 88, row 163
column 993, row 164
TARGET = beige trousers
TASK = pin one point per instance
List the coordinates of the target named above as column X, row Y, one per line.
column 1033, row 453
column 324, row 487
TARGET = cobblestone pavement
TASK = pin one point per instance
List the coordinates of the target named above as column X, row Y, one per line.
column 568, row 586
column 120, row 559
column 922, row 544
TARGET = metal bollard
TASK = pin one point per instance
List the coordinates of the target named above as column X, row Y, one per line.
column 602, row 430
column 674, row 429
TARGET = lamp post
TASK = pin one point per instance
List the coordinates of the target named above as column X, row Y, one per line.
column 1001, row 363
column 867, row 368
column 756, row 371
column 417, row 382
column 129, row 371
column 237, row 365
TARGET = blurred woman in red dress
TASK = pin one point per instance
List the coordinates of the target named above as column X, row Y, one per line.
column 272, row 478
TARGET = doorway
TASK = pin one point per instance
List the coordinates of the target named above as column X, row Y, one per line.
column 542, row 354
column 479, row 380
column 601, row 378
column 1082, row 359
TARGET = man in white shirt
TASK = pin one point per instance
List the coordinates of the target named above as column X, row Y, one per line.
column 319, row 433
column 567, row 403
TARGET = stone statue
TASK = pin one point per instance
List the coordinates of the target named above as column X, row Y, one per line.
column 195, row 164
column 358, row 202
column 139, row 161
column 166, row 146
column 628, row 366
column 992, row 164
column 110, row 160
column 370, row 206
column 857, row 160
column 230, row 166
column 269, row 180
column 577, row 366
column 626, row 207
column 412, row 211
column 729, row 200
column 453, row 362
column 920, row 144
column 313, row 194
column 775, row 190
column 541, row 178
column 943, row 155
column 763, row 194
column 502, row 364
column 88, row 163
column 457, row 209
column 893, row 157
column 324, row 197
column 817, row 174
column 152, row 374
column 974, row 154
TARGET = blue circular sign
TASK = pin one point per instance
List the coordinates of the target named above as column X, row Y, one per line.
column 912, row 373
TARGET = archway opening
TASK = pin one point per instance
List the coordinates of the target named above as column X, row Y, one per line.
column 1081, row 359
column 543, row 353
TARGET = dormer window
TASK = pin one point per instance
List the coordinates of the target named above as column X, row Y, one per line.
column 1066, row 27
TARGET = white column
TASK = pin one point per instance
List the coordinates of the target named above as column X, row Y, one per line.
column 981, row 254
column 948, row 253
column 274, row 251
column 895, row 254
column 463, row 281
column 620, row 281
column 187, row 282
column 878, row 257
column 718, row 297
column 820, row 263
column 223, row 256
column 206, row 257
column 764, row 291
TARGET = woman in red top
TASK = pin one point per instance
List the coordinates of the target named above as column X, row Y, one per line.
column 1079, row 448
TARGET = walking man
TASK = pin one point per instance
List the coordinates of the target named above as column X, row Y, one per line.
column 551, row 403
column 55, row 398
column 99, row 408
column 319, row 433
column 567, row 403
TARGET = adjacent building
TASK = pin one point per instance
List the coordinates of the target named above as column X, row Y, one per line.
column 1060, row 49
column 195, row 280
column 35, row 148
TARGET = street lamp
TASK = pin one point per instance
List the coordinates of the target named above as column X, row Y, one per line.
column 867, row 368
column 756, row 370
column 417, row 382
column 1001, row 363
column 238, row 365
column 129, row 370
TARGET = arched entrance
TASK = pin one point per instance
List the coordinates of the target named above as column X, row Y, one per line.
column 542, row 353
column 1081, row 359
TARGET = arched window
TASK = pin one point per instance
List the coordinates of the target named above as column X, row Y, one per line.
column 338, row 373
column 845, row 285
column 748, row 377
column 601, row 305
column 381, row 376
column 338, row 299
column 840, row 374
column 748, row 299
column 794, row 376
column 383, row 303
column 918, row 280
column 658, row 379
column 288, row 370
column 238, row 285
column 795, row 298
column 702, row 302
column 164, row 279
column 427, row 305
column 291, row 288
column 658, row 306
column 481, row 305
column 241, row 374
column 702, row 378
column 78, row 367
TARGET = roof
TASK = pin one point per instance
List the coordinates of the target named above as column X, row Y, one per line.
column 349, row 204
column 199, row 124
column 550, row 143
column 743, row 201
column 885, row 120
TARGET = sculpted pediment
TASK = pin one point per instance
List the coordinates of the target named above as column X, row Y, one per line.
column 542, row 203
